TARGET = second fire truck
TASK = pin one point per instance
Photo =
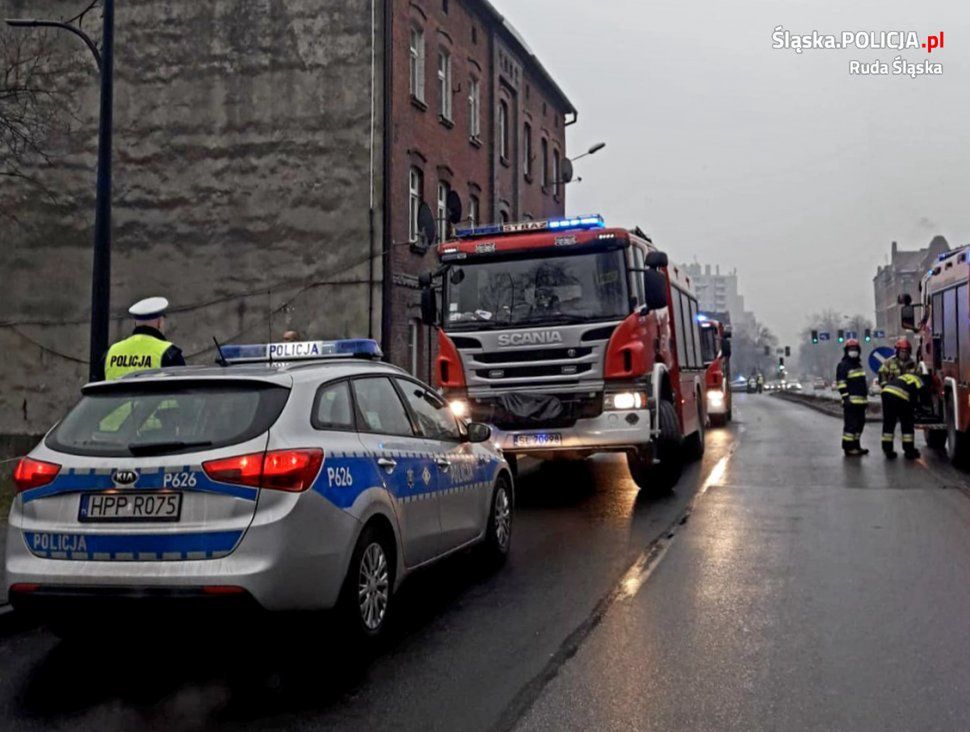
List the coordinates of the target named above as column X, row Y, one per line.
column 572, row 338
column 941, row 320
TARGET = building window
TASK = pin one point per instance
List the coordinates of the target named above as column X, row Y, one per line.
column 474, row 34
column 544, row 173
column 504, row 217
column 444, row 83
column 527, row 150
column 473, row 208
column 474, row 108
column 415, row 196
column 444, row 6
column 503, row 129
column 556, row 182
column 417, row 63
column 414, row 344
column 443, row 189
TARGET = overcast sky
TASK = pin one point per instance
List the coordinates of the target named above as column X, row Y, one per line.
column 782, row 165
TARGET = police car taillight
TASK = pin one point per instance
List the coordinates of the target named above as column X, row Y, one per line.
column 32, row 473
column 282, row 470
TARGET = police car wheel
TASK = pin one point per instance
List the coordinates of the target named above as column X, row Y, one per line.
column 368, row 590
column 498, row 533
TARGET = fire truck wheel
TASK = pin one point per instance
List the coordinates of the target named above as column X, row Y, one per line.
column 936, row 439
column 956, row 441
column 695, row 443
column 660, row 477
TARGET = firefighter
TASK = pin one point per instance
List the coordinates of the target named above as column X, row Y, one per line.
column 761, row 382
column 851, row 381
column 900, row 397
column 899, row 364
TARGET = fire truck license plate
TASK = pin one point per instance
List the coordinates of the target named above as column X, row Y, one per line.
column 541, row 439
column 121, row 507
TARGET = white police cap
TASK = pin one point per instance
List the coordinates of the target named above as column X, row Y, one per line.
column 149, row 308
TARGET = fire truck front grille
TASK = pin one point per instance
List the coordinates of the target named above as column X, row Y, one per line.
column 526, row 372
column 574, row 407
column 537, row 354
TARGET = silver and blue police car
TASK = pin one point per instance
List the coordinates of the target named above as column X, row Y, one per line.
column 295, row 476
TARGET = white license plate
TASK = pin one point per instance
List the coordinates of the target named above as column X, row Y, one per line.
column 541, row 439
column 130, row 506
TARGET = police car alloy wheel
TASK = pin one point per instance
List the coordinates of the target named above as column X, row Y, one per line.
column 498, row 533
column 373, row 586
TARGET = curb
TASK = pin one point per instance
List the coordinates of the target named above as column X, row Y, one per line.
column 830, row 409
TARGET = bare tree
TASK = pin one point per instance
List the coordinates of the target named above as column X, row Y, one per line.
column 34, row 109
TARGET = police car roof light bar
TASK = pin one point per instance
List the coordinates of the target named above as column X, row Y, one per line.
column 302, row 351
column 527, row 227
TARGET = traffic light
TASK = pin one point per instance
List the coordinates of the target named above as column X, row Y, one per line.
column 767, row 350
column 787, row 351
column 868, row 335
column 815, row 337
column 841, row 336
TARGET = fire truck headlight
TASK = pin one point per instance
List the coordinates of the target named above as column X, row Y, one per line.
column 625, row 400
column 715, row 399
column 459, row 407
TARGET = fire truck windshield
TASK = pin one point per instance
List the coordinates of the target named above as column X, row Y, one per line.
column 541, row 290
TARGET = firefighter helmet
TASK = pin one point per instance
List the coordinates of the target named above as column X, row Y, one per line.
column 851, row 343
column 903, row 344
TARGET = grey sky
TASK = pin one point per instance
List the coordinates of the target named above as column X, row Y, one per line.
column 783, row 165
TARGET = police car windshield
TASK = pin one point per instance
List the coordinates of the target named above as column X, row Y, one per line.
column 543, row 290
column 155, row 418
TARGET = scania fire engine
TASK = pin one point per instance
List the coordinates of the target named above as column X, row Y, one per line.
column 943, row 330
column 571, row 338
column 716, row 351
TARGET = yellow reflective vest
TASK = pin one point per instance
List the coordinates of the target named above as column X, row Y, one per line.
column 138, row 352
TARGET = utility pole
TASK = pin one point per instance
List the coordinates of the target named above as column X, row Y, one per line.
column 101, row 266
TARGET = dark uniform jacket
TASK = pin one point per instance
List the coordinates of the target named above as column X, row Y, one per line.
column 910, row 388
column 851, row 381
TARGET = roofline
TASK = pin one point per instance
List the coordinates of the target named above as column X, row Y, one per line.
column 519, row 42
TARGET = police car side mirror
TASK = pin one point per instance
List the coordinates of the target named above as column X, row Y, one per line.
column 478, row 432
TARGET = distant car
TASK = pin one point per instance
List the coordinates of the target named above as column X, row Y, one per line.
column 793, row 386
column 819, row 384
column 300, row 483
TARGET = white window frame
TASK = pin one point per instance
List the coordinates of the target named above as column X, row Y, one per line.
column 504, row 148
column 527, row 149
column 474, row 108
column 474, row 208
column 444, row 83
column 416, row 52
column 442, row 217
column 415, row 191
column 556, row 172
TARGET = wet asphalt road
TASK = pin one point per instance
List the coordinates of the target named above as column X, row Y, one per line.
column 801, row 591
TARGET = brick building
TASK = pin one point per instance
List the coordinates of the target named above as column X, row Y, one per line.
column 902, row 275
column 472, row 110
column 268, row 160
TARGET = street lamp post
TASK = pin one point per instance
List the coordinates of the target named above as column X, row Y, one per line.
column 101, row 269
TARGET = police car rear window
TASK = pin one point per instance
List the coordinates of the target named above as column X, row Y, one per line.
column 168, row 419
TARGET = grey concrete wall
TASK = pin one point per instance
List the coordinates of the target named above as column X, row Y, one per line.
column 243, row 145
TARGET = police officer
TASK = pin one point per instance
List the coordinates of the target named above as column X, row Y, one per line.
column 900, row 396
column 146, row 348
column 761, row 382
column 899, row 364
column 850, row 380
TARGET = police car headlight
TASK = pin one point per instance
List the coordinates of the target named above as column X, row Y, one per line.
column 459, row 407
column 625, row 400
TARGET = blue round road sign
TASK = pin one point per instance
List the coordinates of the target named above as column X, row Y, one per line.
column 877, row 357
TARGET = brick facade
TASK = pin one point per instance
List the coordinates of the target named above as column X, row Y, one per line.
column 512, row 87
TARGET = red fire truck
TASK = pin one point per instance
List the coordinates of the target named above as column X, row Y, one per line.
column 571, row 338
column 943, row 348
column 716, row 351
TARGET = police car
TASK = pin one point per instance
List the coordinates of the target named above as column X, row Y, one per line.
column 295, row 476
